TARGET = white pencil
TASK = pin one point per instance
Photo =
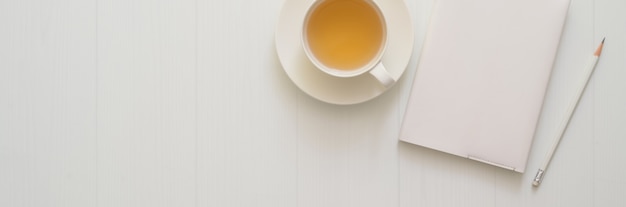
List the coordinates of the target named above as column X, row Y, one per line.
column 568, row 115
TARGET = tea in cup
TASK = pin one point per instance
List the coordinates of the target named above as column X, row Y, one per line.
column 346, row 38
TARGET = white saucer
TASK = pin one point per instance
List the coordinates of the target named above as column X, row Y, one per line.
column 342, row 91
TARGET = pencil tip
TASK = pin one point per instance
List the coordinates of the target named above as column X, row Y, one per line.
column 599, row 50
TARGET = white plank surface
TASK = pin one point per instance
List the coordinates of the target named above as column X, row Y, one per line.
column 247, row 108
column 184, row 103
column 48, row 103
column 146, row 103
column 609, row 106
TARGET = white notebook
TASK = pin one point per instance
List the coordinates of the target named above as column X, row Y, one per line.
column 482, row 77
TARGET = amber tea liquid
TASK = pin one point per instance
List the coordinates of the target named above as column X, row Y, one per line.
column 345, row 34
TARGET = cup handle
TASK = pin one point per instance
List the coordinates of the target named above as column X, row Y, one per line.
column 380, row 73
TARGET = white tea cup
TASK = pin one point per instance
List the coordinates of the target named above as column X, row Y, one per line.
column 346, row 38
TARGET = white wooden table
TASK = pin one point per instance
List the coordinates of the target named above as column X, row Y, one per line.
column 184, row 103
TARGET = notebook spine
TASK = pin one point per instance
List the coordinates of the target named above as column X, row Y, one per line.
column 490, row 162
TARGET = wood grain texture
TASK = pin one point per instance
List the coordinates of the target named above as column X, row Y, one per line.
column 47, row 103
column 146, row 103
column 247, row 108
column 610, row 106
column 185, row 103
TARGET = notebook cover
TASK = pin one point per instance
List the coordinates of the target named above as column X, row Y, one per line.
column 482, row 77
